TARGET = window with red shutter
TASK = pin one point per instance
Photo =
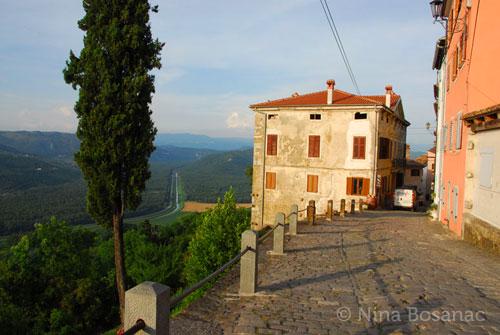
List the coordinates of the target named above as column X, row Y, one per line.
column 357, row 186
column 272, row 145
column 271, row 180
column 312, row 183
column 314, row 145
column 359, row 147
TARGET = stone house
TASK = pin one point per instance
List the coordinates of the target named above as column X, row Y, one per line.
column 327, row 145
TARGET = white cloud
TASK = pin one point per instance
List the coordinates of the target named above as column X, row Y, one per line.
column 237, row 120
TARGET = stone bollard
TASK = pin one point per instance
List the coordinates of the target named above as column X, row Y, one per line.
column 150, row 302
column 361, row 204
column 353, row 206
column 248, row 263
column 292, row 226
column 279, row 235
column 311, row 213
column 342, row 207
column 329, row 210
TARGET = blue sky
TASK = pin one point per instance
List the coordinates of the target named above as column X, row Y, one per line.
column 223, row 55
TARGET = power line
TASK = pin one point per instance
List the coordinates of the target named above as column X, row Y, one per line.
column 336, row 36
column 342, row 46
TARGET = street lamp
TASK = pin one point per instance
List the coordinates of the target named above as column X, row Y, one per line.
column 437, row 9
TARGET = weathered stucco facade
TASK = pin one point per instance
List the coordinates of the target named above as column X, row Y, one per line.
column 292, row 122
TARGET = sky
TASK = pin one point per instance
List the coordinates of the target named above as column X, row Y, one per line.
column 223, row 55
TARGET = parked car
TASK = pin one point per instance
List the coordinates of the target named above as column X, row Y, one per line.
column 405, row 197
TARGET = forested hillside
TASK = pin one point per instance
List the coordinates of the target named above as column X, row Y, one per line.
column 210, row 177
column 39, row 179
column 45, row 144
column 23, row 171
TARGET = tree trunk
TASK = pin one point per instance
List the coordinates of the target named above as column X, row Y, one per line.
column 119, row 260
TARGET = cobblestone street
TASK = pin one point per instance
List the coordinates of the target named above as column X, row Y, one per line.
column 373, row 273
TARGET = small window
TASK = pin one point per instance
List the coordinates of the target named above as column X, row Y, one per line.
column 384, row 150
column 271, row 180
column 314, row 145
column 360, row 116
column 315, row 116
column 272, row 145
column 312, row 183
column 272, row 116
column 415, row 172
column 357, row 186
column 358, row 150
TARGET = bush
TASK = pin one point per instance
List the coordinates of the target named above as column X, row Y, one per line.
column 217, row 238
column 53, row 278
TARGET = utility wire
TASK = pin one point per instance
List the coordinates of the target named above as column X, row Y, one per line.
column 336, row 36
column 342, row 45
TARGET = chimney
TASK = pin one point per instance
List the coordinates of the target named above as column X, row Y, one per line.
column 388, row 94
column 407, row 153
column 330, row 87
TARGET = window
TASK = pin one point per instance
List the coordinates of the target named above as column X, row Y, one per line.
column 384, row 148
column 359, row 144
column 271, row 180
column 272, row 116
column 450, row 137
column 485, row 168
column 272, row 145
column 357, row 186
column 463, row 45
column 312, row 183
column 415, row 172
column 360, row 116
column 314, row 141
column 315, row 116
column 456, row 55
column 458, row 137
column 443, row 138
column 448, row 69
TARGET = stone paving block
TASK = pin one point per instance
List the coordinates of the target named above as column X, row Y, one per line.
column 372, row 260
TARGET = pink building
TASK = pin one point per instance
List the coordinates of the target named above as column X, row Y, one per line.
column 472, row 83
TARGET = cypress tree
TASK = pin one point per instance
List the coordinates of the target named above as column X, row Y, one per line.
column 116, row 132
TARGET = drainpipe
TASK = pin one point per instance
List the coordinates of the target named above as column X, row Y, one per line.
column 263, row 167
column 375, row 155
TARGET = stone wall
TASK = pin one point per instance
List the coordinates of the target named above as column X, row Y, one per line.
column 481, row 234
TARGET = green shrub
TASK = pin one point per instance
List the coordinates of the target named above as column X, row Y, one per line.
column 217, row 238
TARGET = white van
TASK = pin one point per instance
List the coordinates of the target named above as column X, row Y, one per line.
column 405, row 197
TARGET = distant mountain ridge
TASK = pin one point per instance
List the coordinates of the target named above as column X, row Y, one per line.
column 57, row 144
column 45, row 144
column 186, row 140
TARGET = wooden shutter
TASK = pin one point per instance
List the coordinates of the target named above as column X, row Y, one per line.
column 272, row 145
column 366, row 186
column 271, row 180
column 314, row 145
column 361, row 147
column 355, row 148
column 450, row 137
column 458, row 139
column 312, row 183
column 349, row 186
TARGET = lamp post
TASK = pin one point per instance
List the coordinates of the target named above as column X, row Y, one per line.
column 437, row 10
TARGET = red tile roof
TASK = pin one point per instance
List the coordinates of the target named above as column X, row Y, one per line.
column 320, row 98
